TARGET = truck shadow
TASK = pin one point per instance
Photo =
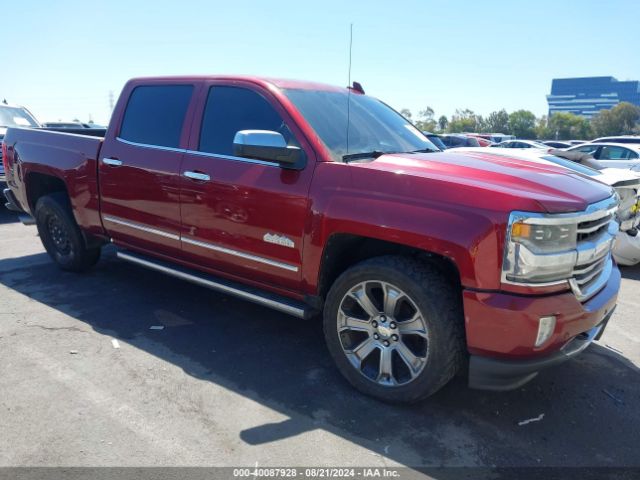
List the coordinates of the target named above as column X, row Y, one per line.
column 6, row 216
column 590, row 404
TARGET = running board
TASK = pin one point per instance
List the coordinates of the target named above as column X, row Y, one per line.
column 276, row 302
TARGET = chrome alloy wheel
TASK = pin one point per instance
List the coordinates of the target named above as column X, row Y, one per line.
column 383, row 333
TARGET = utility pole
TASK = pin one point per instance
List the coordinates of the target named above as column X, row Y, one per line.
column 111, row 100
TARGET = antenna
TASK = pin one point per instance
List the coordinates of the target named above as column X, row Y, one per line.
column 349, row 84
column 350, row 48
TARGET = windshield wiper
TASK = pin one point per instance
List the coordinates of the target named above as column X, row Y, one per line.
column 425, row 150
column 361, row 155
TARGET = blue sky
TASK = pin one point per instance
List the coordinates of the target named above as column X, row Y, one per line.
column 62, row 58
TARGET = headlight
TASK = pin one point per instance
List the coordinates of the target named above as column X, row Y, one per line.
column 551, row 249
column 539, row 253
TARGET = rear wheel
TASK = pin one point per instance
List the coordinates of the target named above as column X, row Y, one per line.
column 61, row 236
column 394, row 328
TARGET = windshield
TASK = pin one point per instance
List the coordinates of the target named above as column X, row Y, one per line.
column 373, row 126
column 539, row 144
column 437, row 142
column 16, row 117
column 572, row 165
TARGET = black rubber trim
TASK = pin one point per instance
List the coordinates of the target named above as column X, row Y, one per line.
column 487, row 373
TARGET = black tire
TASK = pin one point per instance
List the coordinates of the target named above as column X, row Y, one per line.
column 440, row 305
column 61, row 236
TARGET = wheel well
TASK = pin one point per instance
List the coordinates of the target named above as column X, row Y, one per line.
column 343, row 251
column 39, row 184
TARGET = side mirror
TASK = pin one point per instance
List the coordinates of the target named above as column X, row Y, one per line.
column 265, row 145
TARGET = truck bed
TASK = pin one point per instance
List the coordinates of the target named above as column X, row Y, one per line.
column 64, row 156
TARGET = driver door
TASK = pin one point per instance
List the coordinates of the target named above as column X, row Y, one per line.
column 240, row 216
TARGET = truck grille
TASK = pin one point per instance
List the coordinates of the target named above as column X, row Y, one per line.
column 596, row 234
column 594, row 228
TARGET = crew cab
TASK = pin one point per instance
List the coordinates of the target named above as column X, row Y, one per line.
column 318, row 200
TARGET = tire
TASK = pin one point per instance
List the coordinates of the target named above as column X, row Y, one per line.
column 61, row 236
column 427, row 317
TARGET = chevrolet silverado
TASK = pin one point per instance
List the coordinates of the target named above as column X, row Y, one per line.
column 312, row 199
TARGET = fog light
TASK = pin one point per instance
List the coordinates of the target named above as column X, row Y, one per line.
column 546, row 326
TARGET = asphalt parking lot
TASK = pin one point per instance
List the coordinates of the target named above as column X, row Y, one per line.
column 227, row 383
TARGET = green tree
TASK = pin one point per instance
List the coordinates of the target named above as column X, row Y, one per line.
column 443, row 122
column 465, row 121
column 406, row 113
column 497, row 122
column 620, row 120
column 522, row 124
column 426, row 120
column 542, row 128
column 567, row 126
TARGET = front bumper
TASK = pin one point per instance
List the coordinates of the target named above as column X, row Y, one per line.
column 502, row 328
column 492, row 374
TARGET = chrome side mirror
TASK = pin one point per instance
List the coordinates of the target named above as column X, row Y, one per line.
column 265, row 145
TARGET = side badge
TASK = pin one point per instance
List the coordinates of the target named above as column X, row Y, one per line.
column 278, row 240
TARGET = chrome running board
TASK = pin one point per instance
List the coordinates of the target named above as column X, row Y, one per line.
column 266, row 299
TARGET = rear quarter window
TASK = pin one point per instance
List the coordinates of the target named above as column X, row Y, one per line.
column 155, row 114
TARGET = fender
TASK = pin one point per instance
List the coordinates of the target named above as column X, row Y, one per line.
column 472, row 238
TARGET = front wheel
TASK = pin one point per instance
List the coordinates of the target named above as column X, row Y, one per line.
column 61, row 236
column 394, row 327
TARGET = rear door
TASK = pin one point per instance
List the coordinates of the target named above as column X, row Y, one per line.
column 240, row 216
column 139, row 167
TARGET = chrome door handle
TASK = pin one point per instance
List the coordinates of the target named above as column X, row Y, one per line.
column 114, row 162
column 197, row 176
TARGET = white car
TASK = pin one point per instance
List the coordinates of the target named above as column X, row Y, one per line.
column 616, row 155
column 626, row 250
column 13, row 116
column 522, row 144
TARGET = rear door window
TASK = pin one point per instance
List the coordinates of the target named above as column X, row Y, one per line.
column 155, row 115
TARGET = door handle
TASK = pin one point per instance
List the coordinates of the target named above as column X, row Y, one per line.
column 197, row 176
column 114, row 162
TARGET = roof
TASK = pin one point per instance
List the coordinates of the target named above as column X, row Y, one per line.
column 264, row 81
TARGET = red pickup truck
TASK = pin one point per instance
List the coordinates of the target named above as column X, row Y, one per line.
column 312, row 199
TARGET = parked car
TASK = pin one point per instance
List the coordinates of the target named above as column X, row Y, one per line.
column 435, row 139
column 618, row 155
column 496, row 137
column 556, row 144
column 626, row 250
column 421, row 263
column 13, row 116
column 454, row 140
column 619, row 139
column 71, row 125
column 483, row 140
column 522, row 144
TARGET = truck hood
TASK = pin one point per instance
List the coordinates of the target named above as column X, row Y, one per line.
column 493, row 181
